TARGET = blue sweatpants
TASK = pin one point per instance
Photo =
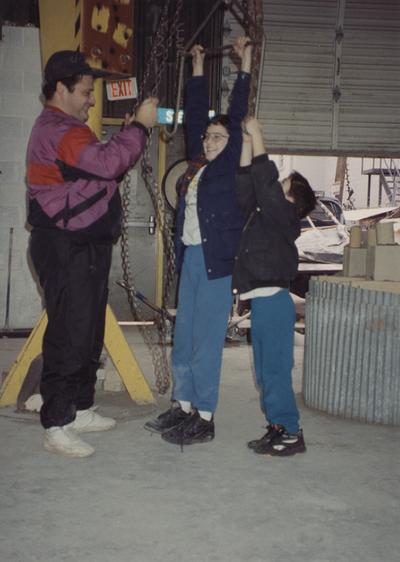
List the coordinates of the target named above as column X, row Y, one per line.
column 200, row 329
column 272, row 334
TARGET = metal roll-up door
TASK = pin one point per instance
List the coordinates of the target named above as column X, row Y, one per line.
column 330, row 80
column 369, row 115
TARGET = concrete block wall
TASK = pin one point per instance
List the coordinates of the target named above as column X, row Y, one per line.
column 20, row 70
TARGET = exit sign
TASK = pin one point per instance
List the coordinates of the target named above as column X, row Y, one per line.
column 125, row 89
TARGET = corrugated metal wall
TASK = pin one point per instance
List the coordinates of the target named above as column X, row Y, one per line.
column 330, row 82
column 352, row 354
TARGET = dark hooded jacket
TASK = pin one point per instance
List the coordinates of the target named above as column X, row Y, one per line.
column 220, row 219
column 267, row 255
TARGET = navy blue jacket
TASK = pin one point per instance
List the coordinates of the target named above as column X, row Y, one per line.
column 220, row 218
column 267, row 255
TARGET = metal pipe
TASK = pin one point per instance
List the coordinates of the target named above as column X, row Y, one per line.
column 10, row 245
column 167, row 135
column 162, row 311
column 216, row 50
column 202, row 26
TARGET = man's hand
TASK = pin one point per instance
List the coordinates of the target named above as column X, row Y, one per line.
column 244, row 50
column 146, row 114
column 197, row 53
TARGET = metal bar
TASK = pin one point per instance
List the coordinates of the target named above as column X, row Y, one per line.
column 145, row 300
column 202, row 26
column 10, row 245
column 369, row 191
column 167, row 135
column 160, row 248
column 240, row 20
column 235, row 320
column 136, row 322
column 216, row 50
column 259, row 81
column 328, row 212
column 250, row 20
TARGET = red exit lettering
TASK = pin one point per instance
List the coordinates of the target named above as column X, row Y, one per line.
column 121, row 89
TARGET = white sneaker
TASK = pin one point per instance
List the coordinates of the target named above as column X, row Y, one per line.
column 88, row 420
column 65, row 441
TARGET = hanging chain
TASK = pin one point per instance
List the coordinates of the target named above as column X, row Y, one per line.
column 256, row 32
column 349, row 203
column 166, row 32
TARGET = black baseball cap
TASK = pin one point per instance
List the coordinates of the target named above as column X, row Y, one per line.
column 64, row 64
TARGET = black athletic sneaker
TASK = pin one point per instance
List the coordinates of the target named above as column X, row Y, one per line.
column 283, row 444
column 190, row 431
column 272, row 431
column 172, row 417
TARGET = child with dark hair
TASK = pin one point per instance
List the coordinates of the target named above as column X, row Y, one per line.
column 266, row 263
column 300, row 190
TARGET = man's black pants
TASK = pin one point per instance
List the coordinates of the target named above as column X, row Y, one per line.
column 74, row 278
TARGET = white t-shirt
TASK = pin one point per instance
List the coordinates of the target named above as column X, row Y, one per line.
column 191, row 227
column 260, row 292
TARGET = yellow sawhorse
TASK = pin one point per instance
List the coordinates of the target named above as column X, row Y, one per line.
column 116, row 345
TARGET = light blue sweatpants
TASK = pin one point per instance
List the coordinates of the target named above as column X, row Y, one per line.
column 200, row 329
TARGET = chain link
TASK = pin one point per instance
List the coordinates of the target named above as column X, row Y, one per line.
column 256, row 32
column 167, row 31
column 349, row 203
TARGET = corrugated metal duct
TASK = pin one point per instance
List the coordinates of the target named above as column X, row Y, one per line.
column 352, row 352
column 330, row 80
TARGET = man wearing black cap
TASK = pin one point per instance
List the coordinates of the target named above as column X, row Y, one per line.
column 75, row 214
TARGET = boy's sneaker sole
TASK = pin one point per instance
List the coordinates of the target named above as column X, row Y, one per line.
column 283, row 445
column 286, row 451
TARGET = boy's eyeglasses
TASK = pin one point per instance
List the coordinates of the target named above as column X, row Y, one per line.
column 215, row 137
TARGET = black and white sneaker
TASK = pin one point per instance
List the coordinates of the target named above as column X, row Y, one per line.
column 172, row 417
column 272, row 431
column 192, row 430
column 283, row 444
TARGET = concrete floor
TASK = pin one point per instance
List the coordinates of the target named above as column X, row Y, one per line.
column 141, row 499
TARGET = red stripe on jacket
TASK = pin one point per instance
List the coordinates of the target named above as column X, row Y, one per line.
column 44, row 174
column 72, row 144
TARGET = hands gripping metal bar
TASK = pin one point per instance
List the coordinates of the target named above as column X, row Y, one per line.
column 252, row 23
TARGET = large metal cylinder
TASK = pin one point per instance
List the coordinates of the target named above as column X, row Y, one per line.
column 352, row 350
